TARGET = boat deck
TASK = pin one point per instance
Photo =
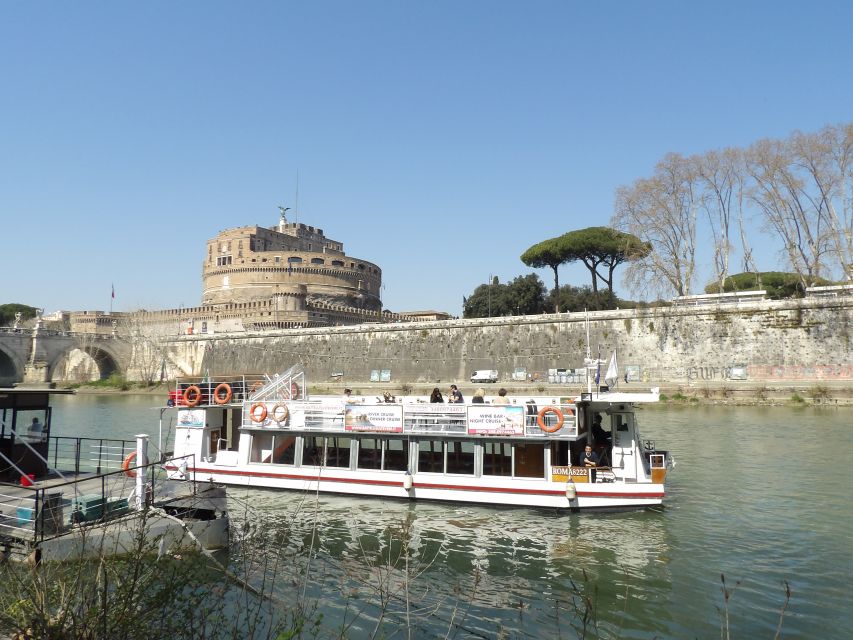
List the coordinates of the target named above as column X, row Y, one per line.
column 57, row 505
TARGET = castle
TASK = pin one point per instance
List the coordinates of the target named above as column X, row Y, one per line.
column 305, row 278
column 255, row 278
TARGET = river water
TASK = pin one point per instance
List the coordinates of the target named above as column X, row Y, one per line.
column 760, row 495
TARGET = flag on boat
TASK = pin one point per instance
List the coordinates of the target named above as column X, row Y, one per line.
column 612, row 375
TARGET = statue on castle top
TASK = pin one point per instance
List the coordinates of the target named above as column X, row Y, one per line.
column 282, row 212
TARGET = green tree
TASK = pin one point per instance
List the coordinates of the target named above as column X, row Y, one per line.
column 574, row 299
column 548, row 253
column 602, row 249
column 524, row 295
column 777, row 284
column 8, row 311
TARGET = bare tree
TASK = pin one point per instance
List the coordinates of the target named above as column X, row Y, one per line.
column 789, row 203
column 826, row 159
column 662, row 211
column 721, row 180
column 148, row 340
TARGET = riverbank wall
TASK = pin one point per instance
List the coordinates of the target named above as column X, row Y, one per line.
column 803, row 341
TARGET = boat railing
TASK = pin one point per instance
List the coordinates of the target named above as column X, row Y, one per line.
column 330, row 415
column 50, row 509
column 288, row 385
column 89, row 455
column 241, row 387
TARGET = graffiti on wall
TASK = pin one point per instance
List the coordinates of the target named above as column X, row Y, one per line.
column 798, row 372
column 765, row 372
column 709, row 373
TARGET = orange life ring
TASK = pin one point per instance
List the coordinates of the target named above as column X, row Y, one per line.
column 218, row 399
column 258, row 416
column 195, row 398
column 540, row 419
column 277, row 409
column 125, row 466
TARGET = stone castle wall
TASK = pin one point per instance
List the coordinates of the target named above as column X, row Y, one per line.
column 768, row 340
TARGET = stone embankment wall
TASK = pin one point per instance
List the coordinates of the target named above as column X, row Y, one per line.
column 772, row 341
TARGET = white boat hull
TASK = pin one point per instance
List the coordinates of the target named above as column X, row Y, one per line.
column 488, row 491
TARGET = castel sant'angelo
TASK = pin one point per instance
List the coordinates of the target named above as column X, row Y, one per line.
column 254, row 278
column 292, row 261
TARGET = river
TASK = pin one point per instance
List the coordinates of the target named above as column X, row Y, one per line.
column 759, row 495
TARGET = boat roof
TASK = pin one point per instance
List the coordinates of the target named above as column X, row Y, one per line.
column 31, row 390
column 620, row 397
column 28, row 397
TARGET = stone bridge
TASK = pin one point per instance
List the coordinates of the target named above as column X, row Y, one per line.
column 32, row 355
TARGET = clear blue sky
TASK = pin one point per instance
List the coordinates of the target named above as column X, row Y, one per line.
column 438, row 139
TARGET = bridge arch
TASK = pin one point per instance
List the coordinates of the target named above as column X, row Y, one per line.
column 11, row 368
column 105, row 361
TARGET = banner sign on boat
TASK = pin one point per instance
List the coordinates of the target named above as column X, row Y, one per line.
column 490, row 420
column 385, row 418
column 190, row 417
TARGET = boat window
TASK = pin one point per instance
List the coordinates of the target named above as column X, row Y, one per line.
column 261, row 447
column 497, row 459
column 337, row 452
column 284, row 449
column 430, row 456
column 560, row 453
column 313, row 453
column 460, row 457
column 369, row 453
column 529, row 460
column 396, row 455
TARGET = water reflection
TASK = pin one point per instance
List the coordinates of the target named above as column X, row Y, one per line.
column 518, row 569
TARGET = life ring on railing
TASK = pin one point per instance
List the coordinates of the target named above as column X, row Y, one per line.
column 540, row 419
column 219, row 399
column 125, row 466
column 258, row 416
column 279, row 413
column 192, row 395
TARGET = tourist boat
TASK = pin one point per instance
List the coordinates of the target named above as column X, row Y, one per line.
column 272, row 434
column 65, row 498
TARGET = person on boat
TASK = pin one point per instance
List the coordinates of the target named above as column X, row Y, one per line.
column 601, row 436
column 589, row 457
column 479, row 397
column 501, row 399
column 455, row 395
column 436, row 396
column 36, row 430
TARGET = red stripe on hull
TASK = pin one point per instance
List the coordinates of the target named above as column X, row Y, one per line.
column 425, row 485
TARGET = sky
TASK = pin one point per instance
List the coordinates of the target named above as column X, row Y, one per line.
column 436, row 139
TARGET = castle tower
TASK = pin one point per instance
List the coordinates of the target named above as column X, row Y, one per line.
column 283, row 264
